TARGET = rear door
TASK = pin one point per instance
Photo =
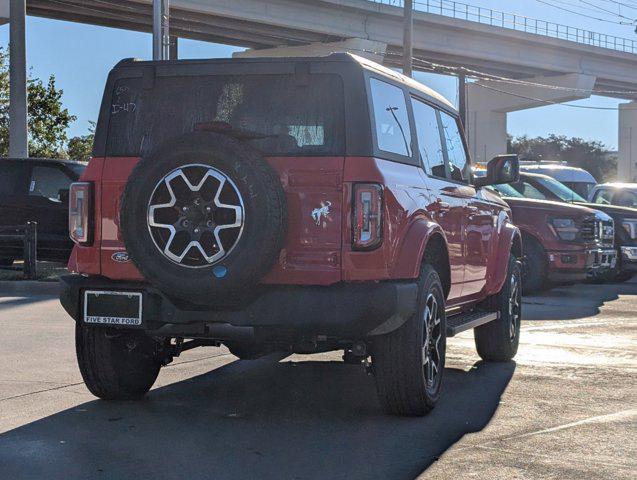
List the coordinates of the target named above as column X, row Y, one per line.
column 46, row 205
column 451, row 196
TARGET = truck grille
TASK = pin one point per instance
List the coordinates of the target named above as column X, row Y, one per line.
column 599, row 231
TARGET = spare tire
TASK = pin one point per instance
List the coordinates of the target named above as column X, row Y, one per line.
column 203, row 217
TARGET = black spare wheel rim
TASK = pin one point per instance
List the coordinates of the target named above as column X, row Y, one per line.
column 203, row 217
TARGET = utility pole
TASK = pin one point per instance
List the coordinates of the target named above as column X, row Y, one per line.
column 408, row 26
column 462, row 99
column 174, row 48
column 161, row 35
column 18, row 141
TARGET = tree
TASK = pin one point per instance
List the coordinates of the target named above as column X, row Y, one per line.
column 81, row 147
column 592, row 156
column 48, row 120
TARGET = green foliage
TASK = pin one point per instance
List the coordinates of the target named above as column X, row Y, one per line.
column 81, row 147
column 48, row 121
column 592, row 156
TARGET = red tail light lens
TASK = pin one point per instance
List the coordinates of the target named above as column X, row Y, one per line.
column 80, row 213
column 368, row 216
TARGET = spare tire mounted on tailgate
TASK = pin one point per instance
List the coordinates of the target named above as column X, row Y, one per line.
column 203, row 217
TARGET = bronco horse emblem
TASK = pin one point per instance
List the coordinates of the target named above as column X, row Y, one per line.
column 322, row 211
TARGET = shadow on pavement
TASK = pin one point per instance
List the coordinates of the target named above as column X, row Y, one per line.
column 574, row 301
column 255, row 419
column 18, row 301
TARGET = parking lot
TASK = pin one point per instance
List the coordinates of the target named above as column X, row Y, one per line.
column 565, row 409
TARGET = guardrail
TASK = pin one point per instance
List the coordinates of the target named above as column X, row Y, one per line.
column 28, row 235
column 514, row 21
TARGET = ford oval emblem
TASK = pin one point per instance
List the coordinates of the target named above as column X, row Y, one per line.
column 121, row 257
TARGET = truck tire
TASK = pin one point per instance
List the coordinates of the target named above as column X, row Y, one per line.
column 116, row 364
column 408, row 363
column 204, row 218
column 498, row 341
column 535, row 272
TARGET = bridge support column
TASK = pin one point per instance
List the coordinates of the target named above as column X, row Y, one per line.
column 488, row 103
column 627, row 159
column 358, row 46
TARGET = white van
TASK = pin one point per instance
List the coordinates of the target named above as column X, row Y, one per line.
column 576, row 179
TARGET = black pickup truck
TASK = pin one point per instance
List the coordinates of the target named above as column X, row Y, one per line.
column 36, row 189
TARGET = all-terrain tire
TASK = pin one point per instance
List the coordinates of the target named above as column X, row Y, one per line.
column 262, row 234
column 397, row 357
column 116, row 364
column 536, row 268
column 498, row 341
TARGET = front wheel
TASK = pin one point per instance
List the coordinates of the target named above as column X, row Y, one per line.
column 116, row 364
column 498, row 341
column 408, row 363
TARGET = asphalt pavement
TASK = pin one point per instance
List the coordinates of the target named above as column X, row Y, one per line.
column 565, row 409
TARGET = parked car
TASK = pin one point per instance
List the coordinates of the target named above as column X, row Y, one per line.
column 625, row 219
column 621, row 194
column 562, row 242
column 36, row 189
column 577, row 179
column 297, row 204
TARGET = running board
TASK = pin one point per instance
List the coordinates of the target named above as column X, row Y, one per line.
column 464, row 321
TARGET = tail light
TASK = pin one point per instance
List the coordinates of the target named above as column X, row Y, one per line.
column 368, row 216
column 80, row 213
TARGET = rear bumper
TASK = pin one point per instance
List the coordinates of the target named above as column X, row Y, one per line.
column 344, row 310
column 574, row 266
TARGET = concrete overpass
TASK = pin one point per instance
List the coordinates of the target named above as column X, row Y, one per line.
column 445, row 43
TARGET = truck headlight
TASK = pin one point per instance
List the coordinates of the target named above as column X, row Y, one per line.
column 565, row 228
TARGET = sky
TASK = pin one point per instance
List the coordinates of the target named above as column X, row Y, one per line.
column 80, row 56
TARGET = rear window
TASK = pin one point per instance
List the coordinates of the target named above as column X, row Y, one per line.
column 278, row 114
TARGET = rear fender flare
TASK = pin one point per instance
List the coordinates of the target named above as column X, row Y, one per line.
column 411, row 250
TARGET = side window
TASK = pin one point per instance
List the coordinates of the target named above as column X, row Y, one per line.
column 602, row 197
column 430, row 146
column 47, row 182
column 390, row 117
column 625, row 198
column 528, row 190
column 458, row 159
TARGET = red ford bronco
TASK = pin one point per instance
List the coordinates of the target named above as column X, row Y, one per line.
column 289, row 204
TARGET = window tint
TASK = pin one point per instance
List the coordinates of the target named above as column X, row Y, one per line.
column 602, row 197
column 456, row 152
column 390, row 117
column 278, row 114
column 529, row 191
column 429, row 139
column 47, row 182
column 625, row 198
column 10, row 178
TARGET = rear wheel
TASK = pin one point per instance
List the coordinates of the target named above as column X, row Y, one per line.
column 498, row 341
column 408, row 363
column 116, row 364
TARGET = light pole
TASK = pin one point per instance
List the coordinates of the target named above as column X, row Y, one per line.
column 408, row 26
column 18, row 140
column 161, row 35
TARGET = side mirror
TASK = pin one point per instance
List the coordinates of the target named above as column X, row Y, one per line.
column 63, row 195
column 501, row 169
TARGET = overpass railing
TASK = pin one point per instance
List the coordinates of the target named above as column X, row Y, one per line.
column 518, row 22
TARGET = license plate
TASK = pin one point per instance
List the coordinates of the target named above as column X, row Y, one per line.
column 113, row 308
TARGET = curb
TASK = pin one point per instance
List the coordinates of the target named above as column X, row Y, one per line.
column 28, row 288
